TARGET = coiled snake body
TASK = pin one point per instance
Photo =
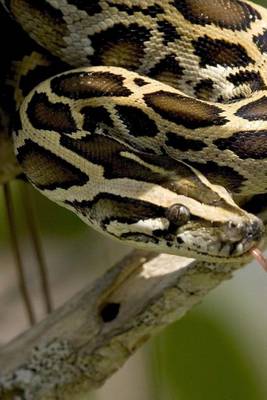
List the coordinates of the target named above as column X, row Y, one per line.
column 161, row 136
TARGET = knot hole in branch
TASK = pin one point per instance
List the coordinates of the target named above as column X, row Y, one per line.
column 109, row 311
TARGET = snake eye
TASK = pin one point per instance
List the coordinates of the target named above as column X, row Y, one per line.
column 177, row 214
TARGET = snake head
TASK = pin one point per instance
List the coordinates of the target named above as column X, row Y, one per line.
column 222, row 240
column 182, row 214
column 219, row 236
column 162, row 207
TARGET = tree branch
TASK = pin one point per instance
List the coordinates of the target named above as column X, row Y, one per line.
column 80, row 345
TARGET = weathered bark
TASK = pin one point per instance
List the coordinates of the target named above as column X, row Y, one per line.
column 84, row 342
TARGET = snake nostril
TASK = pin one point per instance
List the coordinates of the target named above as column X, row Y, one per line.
column 252, row 231
column 256, row 231
column 237, row 231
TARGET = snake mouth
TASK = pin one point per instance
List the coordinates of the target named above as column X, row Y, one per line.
column 253, row 234
column 226, row 258
column 237, row 239
column 234, row 243
column 255, row 251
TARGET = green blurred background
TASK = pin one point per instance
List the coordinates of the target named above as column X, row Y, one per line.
column 217, row 351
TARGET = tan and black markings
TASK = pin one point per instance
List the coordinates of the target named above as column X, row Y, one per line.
column 95, row 117
column 203, row 89
column 43, row 20
column 255, row 110
column 91, row 8
column 112, row 155
column 55, row 172
column 224, row 176
column 150, row 34
column 181, row 143
column 103, row 109
column 221, row 52
column 137, row 121
column 261, row 41
column 233, row 14
column 169, row 31
column 146, row 9
column 82, row 85
column 127, row 173
column 246, row 144
column 183, row 110
column 168, row 70
column 50, row 116
column 140, row 81
column 165, row 115
column 120, row 217
column 250, row 79
column 120, row 45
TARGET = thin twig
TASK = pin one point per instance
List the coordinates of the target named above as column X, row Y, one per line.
column 17, row 256
column 37, row 246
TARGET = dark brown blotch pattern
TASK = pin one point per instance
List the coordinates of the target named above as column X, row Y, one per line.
column 221, row 175
column 116, row 208
column 42, row 7
column 185, row 111
column 229, row 14
column 220, row 52
column 251, row 78
column 48, row 24
column 120, row 46
column 140, row 82
column 246, row 144
column 50, row 116
column 169, row 31
column 137, row 121
column 106, row 151
column 204, row 89
column 256, row 110
column 95, row 117
column 184, row 144
column 256, row 204
column 168, row 70
column 151, row 10
column 46, row 170
column 261, row 41
column 83, row 85
column 90, row 7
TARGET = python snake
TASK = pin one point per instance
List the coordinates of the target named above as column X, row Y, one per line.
column 159, row 136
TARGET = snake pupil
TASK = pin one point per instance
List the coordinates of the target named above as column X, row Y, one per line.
column 177, row 214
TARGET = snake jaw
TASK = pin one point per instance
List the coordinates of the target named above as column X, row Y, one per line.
column 190, row 240
column 243, row 236
column 231, row 242
column 253, row 238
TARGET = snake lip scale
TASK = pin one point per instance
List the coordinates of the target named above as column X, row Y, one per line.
column 158, row 136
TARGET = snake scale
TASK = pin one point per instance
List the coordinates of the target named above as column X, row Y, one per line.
column 158, row 137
